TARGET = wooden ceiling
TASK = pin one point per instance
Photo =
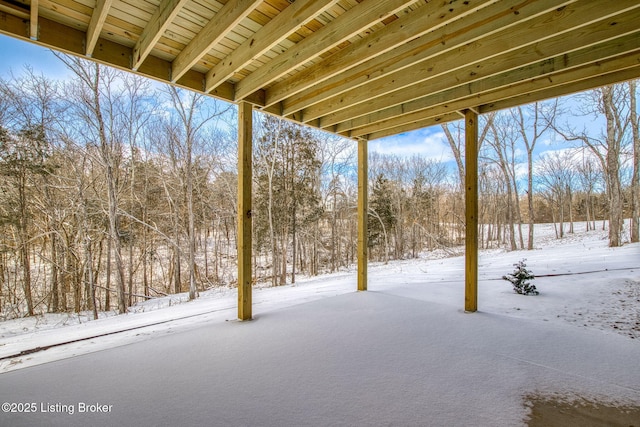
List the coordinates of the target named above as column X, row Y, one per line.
column 363, row 69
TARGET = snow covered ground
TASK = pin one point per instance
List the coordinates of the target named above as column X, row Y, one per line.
column 580, row 336
column 582, row 281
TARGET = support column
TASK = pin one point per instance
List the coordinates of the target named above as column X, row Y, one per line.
column 363, row 209
column 471, row 211
column 244, row 244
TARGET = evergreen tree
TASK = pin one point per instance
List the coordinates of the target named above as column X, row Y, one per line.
column 22, row 157
column 382, row 218
column 287, row 191
column 520, row 279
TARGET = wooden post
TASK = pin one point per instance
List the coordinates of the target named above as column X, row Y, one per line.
column 33, row 22
column 471, row 211
column 245, row 160
column 363, row 206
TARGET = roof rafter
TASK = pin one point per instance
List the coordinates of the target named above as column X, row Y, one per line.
column 595, row 81
column 347, row 25
column 561, row 70
column 358, row 68
column 527, row 44
column 276, row 30
column 480, row 25
column 434, row 16
column 98, row 19
column 525, row 98
column 222, row 23
column 158, row 24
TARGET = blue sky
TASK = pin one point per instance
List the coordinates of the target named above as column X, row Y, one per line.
column 16, row 54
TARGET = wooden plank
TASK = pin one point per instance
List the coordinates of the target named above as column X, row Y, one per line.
column 154, row 30
column 72, row 41
column 218, row 28
column 596, row 59
column 33, row 20
column 506, row 49
column 18, row 10
column 66, row 12
column 428, row 19
column 347, row 25
column 363, row 213
column 98, row 18
column 469, row 63
column 528, row 95
column 421, row 123
column 471, row 211
column 279, row 28
column 539, row 89
column 439, row 42
column 245, row 162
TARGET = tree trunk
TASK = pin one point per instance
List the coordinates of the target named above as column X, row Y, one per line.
column 635, row 180
column 24, row 243
column 613, row 170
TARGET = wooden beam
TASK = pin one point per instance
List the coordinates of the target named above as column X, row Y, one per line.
column 20, row 10
column 158, row 24
column 535, row 90
column 428, row 18
column 363, row 213
column 33, row 20
column 595, row 80
column 352, row 22
column 216, row 29
column 99, row 16
column 280, row 27
column 54, row 35
column 438, row 42
column 244, row 244
column 471, row 212
column 415, row 125
column 471, row 63
column 560, row 70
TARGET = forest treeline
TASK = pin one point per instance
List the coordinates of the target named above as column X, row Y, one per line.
column 115, row 189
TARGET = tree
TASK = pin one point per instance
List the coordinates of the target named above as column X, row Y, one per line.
column 533, row 122
column 556, row 172
column 193, row 115
column 589, row 175
column 95, row 104
column 503, row 141
column 286, row 172
column 635, row 179
column 335, row 157
column 21, row 157
column 612, row 102
column 382, row 218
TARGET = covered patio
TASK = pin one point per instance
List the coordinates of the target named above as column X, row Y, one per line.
column 362, row 358
column 361, row 69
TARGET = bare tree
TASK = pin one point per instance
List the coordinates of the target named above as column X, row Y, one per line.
column 612, row 102
column 503, row 142
column 589, row 175
column 557, row 174
column 96, row 105
column 533, row 122
column 335, row 156
column 25, row 146
column 635, row 180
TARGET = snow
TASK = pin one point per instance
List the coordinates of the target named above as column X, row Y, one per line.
column 319, row 353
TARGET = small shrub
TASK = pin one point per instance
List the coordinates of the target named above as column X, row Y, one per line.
column 520, row 279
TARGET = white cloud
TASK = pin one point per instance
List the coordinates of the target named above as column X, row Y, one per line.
column 428, row 143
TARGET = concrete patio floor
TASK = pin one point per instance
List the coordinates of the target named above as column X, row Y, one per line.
column 359, row 359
